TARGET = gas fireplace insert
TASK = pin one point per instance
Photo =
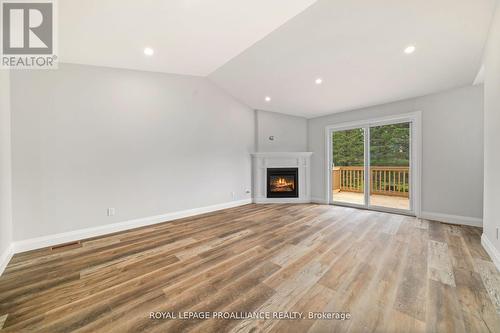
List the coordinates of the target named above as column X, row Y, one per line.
column 282, row 182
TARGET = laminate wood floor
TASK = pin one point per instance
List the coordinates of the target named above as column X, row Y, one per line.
column 391, row 273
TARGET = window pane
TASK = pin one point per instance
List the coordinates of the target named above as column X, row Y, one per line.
column 390, row 166
column 348, row 166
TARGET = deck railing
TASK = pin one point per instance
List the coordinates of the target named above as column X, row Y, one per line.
column 384, row 180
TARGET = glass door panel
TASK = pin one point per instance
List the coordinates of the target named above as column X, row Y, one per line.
column 390, row 166
column 348, row 166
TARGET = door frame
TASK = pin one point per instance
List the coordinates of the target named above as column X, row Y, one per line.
column 415, row 118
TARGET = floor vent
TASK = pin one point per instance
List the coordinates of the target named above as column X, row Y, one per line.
column 60, row 246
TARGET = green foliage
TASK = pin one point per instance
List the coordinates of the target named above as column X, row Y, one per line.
column 389, row 146
column 348, row 147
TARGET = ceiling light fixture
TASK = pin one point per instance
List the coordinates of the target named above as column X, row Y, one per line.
column 268, row 99
column 319, row 81
column 410, row 49
column 149, row 51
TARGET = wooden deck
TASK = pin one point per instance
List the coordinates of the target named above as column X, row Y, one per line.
column 391, row 273
column 388, row 201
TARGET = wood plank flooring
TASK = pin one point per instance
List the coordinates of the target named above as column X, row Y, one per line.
column 391, row 273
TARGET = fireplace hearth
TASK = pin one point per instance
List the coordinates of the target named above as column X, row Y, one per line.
column 282, row 182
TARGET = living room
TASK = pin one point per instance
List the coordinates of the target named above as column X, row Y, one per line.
column 278, row 166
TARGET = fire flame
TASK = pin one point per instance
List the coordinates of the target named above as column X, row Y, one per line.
column 283, row 184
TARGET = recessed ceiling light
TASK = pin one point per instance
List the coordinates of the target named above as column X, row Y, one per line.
column 268, row 99
column 149, row 51
column 410, row 49
column 319, row 80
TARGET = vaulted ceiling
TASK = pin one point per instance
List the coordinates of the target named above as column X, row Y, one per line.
column 278, row 48
column 191, row 37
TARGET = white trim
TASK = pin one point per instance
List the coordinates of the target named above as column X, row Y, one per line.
column 283, row 154
column 379, row 121
column 5, row 258
column 319, row 200
column 491, row 250
column 366, row 166
column 479, row 77
column 71, row 236
column 453, row 219
column 416, row 152
column 328, row 161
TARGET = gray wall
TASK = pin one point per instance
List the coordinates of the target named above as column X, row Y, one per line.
column 5, row 164
column 492, row 133
column 88, row 138
column 452, row 161
column 290, row 133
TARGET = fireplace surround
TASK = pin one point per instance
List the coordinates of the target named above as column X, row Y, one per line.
column 264, row 164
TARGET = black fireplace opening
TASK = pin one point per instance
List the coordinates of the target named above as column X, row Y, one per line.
column 282, row 182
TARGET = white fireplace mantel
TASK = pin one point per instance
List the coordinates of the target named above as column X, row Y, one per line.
column 262, row 161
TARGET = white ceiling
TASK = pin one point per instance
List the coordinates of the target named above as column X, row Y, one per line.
column 278, row 48
column 192, row 37
column 356, row 46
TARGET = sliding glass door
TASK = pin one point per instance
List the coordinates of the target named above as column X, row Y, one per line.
column 371, row 166
column 390, row 166
column 348, row 175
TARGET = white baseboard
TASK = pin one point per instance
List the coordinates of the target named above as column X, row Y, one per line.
column 453, row 219
column 5, row 257
column 319, row 200
column 71, row 236
column 491, row 250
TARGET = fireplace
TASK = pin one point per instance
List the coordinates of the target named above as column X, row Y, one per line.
column 282, row 182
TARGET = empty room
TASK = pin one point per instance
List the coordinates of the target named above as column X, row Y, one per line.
column 250, row 166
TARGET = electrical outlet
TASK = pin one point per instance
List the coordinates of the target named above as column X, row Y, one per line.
column 111, row 211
